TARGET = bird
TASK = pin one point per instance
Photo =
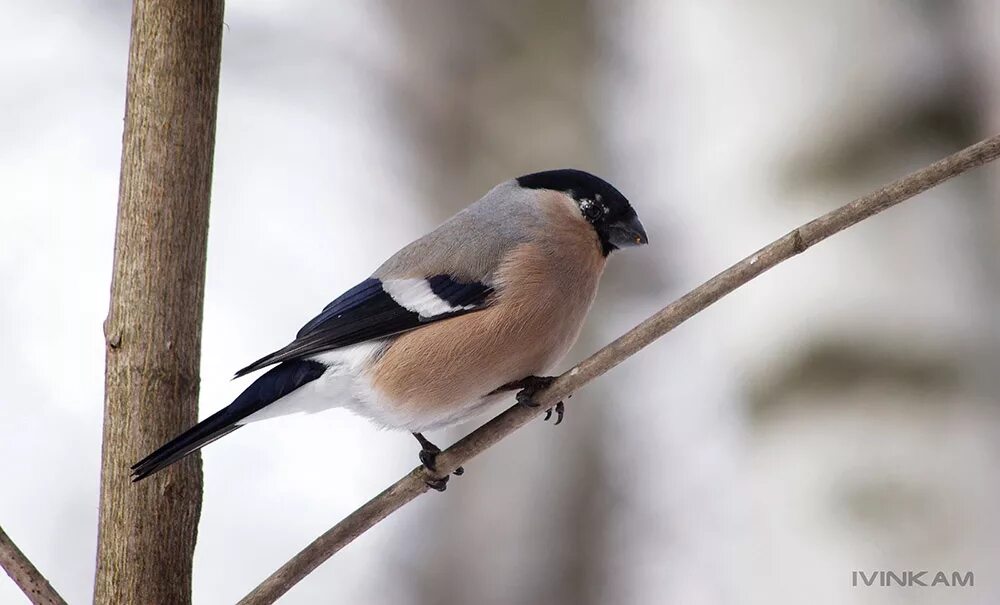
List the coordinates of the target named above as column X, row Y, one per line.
column 488, row 302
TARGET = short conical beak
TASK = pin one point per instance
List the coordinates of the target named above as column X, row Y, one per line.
column 627, row 233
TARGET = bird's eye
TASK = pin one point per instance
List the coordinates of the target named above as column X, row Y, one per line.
column 590, row 210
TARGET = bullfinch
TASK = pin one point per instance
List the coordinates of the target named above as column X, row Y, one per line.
column 488, row 302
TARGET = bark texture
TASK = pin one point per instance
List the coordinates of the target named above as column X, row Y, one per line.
column 27, row 577
column 147, row 530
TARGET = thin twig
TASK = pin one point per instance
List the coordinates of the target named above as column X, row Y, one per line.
column 25, row 575
column 695, row 301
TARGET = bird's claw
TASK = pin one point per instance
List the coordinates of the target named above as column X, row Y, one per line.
column 525, row 399
column 530, row 387
column 560, row 411
column 438, row 483
column 428, row 458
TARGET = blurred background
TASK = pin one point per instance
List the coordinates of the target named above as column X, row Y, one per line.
column 838, row 414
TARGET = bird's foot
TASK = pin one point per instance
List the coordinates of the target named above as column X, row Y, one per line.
column 428, row 458
column 529, row 387
column 439, row 484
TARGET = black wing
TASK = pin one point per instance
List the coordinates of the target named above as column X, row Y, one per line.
column 376, row 309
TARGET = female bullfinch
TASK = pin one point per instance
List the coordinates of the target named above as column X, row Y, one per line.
column 492, row 298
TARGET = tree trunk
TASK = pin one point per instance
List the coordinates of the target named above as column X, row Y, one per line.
column 147, row 530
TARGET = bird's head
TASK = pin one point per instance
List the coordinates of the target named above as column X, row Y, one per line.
column 603, row 206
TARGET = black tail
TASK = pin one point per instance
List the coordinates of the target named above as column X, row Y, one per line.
column 271, row 386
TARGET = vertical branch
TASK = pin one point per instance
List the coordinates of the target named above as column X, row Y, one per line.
column 25, row 575
column 147, row 531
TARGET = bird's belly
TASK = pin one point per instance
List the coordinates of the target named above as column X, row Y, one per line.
column 417, row 418
column 445, row 372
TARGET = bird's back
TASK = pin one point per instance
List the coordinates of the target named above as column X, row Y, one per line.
column 470, row 244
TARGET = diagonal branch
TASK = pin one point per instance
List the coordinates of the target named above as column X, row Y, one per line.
column 668, row 318
column 27, row 577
